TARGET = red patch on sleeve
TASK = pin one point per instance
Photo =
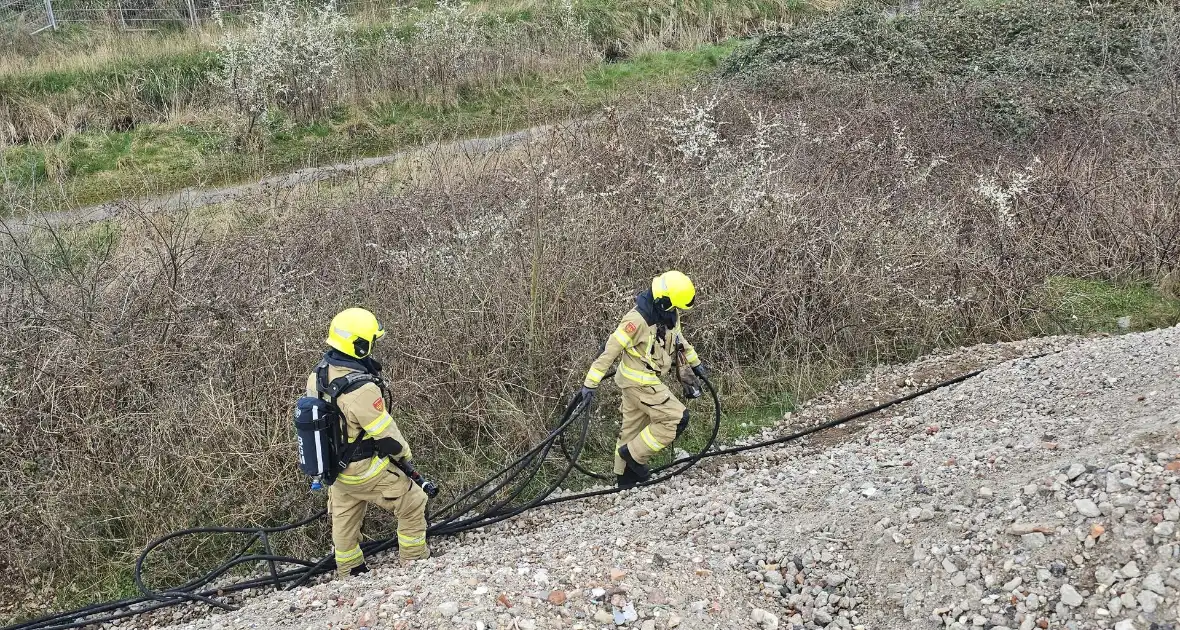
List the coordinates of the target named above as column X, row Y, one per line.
column 379, row 404
column 630, row 328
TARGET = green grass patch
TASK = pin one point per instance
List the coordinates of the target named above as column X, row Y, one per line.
column 1087, row 306
column 92, row 167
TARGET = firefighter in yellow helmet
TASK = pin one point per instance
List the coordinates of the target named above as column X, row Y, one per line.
column 649, row 340
column 372, row 476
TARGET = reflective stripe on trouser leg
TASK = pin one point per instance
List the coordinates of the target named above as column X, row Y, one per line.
column 663, row 412
column 411, row 524
column 348, row 514
column 634, row 420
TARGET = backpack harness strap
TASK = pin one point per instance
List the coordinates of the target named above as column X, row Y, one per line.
column 362, row 448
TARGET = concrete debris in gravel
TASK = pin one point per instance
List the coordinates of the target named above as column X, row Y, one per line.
column 1045, row 497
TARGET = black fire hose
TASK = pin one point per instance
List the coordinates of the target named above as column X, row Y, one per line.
column 462, row 514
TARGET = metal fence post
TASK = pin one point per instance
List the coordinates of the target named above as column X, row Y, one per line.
column 49, row 14
column 192, row 12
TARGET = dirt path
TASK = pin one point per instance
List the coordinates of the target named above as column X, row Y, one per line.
column 191, row 198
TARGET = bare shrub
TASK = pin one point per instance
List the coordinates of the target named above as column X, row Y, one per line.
column 453, row 48
column 288, row 57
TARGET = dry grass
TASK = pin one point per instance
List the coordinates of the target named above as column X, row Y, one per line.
column 97, row 48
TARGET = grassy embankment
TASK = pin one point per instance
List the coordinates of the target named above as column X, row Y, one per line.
column 142, row 116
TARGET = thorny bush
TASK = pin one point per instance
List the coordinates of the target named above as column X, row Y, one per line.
column 1022, row 63
column 148, row 369
column 452, row 49
column 288, row 58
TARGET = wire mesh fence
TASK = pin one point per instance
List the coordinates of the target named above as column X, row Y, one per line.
column 35, row 16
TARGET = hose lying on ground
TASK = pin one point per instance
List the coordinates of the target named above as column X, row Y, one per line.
column 502, row 496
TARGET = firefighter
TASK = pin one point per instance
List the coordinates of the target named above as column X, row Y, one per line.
column 371, row 477
column 649, row 340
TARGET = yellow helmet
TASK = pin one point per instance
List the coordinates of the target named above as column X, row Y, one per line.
column 673, row 289
column 353, row 332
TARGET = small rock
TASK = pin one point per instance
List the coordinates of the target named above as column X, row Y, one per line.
column 822, row 617
column 985, row 493
column 557, row 598
column 601, row 616
column 1149, row 601
column 1035, row 540
column 674, row 621
column 1075, row 471
column 1130, row 570
column 1070, row 597
column 1125, row 624
column 1103, row 575
column 767, row 619
column 448, row 609
column 773, row 577
column 617, row 574
column 835, row 579
column 1087, row 508
column 1154, row 582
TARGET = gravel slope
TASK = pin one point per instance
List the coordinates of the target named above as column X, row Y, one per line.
column 1040, row 494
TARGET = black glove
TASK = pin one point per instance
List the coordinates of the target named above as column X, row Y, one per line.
column 700, row 370
column 387, row 447
column 586, row 395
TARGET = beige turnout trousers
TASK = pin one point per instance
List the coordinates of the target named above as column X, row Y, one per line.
column 391, row 491
column 650, row 415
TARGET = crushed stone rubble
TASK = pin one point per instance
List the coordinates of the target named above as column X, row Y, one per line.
column 1040, row 494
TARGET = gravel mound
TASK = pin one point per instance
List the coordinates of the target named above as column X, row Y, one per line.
column 1039, row 494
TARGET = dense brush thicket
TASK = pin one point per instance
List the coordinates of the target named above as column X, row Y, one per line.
column 1022, row 63
column 147, row 369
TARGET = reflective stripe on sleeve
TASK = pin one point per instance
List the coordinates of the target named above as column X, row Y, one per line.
column 380, row 424
column 594, row 376
column 623, row 338
column 650, row 440
column 691, row 356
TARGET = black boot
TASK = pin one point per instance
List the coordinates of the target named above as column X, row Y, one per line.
column 641, row 471
column 626, row 480
column 359, row 570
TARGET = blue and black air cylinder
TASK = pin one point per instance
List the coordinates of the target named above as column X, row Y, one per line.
column 315, row 428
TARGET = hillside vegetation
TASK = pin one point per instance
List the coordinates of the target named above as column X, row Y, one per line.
column 295, row 86
column 832, row 215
